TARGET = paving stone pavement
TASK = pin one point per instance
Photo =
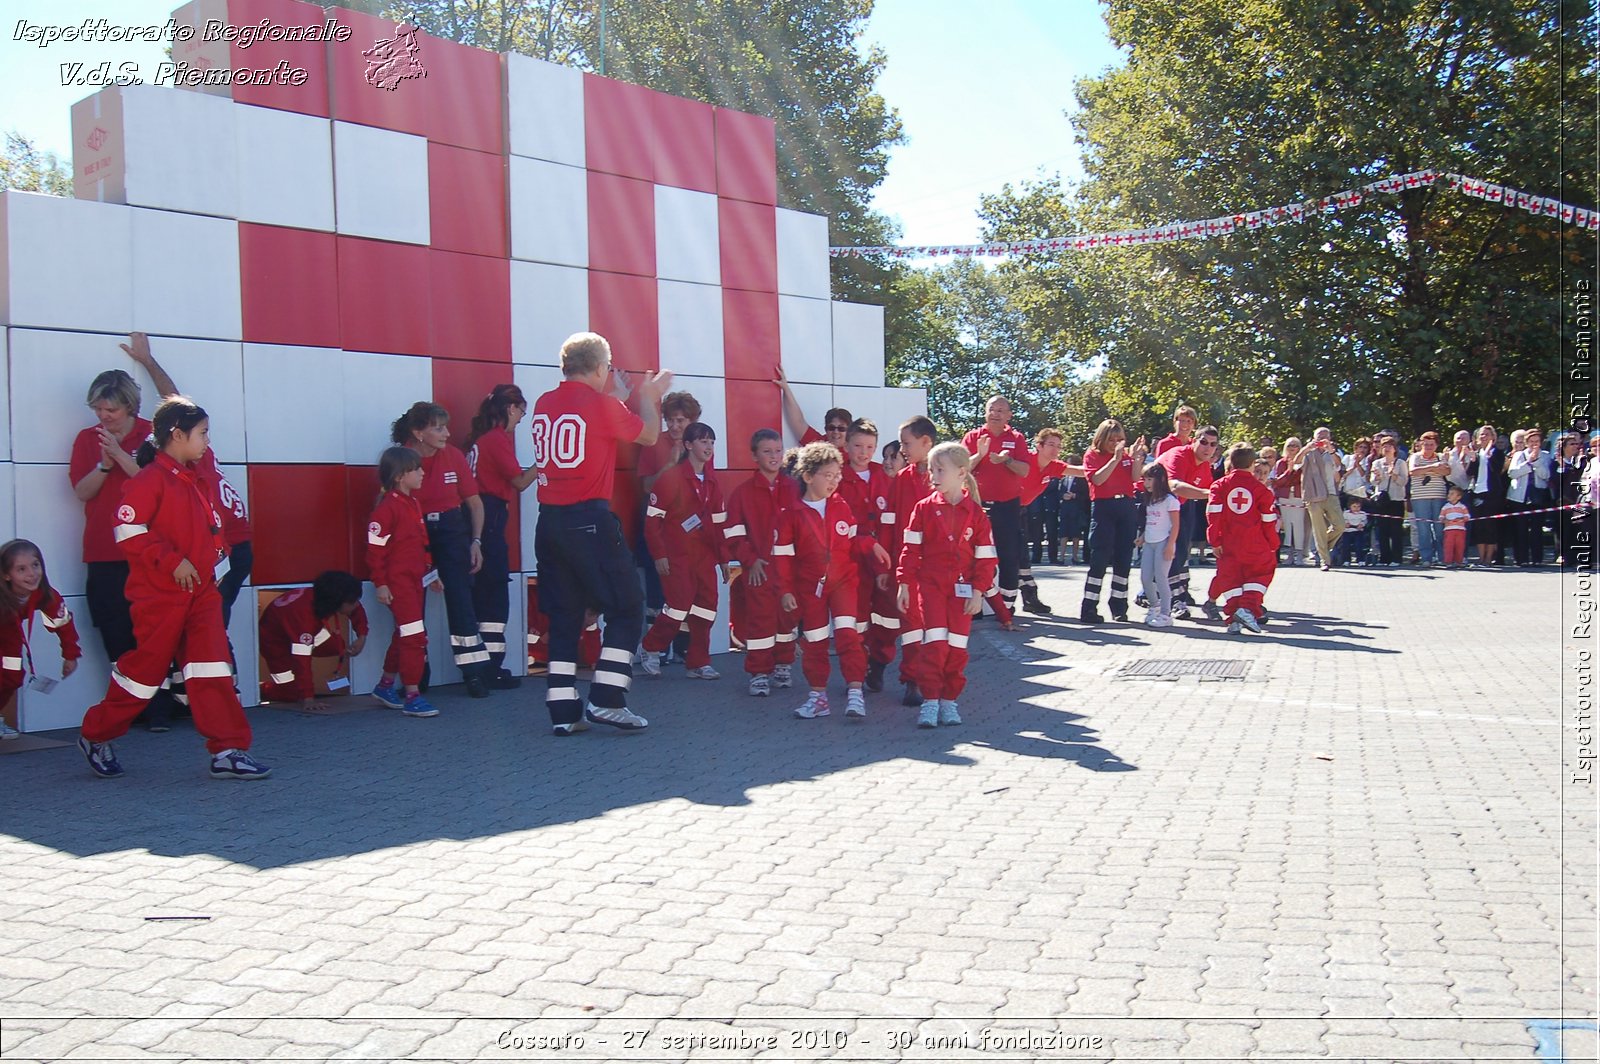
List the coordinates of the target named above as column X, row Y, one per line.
column 1366, row 849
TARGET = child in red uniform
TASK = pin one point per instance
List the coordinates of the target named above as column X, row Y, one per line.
column 754, row 511
column 947, row 559
column 501, row 479
column 452, row 512
column 1242, row 528
column 168, row 526
column 306, row 623
column 683, row 523
column 398, row 559
column 817, row 553
column 865, row 486
column 911, row 485
column 24, row 591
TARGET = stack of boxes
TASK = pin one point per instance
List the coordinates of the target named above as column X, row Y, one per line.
column 311, row 260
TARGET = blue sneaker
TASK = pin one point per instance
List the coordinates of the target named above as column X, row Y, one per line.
column 389, row 695
column 237, row 765
column 417, row 706
column 102, row 759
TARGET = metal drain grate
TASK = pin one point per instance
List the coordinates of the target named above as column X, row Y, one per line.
column 1172, row 668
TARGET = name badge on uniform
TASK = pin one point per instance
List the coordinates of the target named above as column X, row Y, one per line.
column 691, row 522
column 431, row 577
column 963, row 591
column 43, row 684
column 338, row 683
column 220, row 570
column 821, row 584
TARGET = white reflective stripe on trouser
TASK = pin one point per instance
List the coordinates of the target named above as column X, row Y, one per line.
column 676, row 615
column 936, row 635
column 616, row 654
column 958, row 641
column 490, row 626
column 891, row 623
column 11, row 664
column 561, row 694
column 1255, row 587
column 471, row 657
column 411, row 628
column 843, row 622
column 1232, row 592
column 207, row 670
column 816, row 635
column 494, row 646
column 783, row 637
column 764, row 643
column 280, row 677
column 910, row 637
column 563, row 668
column 702, row 613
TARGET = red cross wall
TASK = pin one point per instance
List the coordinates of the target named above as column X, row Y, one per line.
column 311, row 260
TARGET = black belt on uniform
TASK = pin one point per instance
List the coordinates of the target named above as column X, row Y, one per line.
column 1108, row 498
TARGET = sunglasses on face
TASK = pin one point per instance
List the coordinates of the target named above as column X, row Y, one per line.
column 838, row 428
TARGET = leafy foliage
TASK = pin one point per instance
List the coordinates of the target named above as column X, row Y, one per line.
column 25, row 168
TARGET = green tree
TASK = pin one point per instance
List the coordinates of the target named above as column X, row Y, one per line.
column 25, row 168
column 1420, row 309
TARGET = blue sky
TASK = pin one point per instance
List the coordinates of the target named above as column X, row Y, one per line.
column 981, row 88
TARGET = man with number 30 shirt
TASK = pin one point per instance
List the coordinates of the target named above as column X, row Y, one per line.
column 584, row 564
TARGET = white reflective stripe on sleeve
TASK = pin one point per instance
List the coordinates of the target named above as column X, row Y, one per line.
column 561, row 694
column 125, row 532
column 984, row 552
column 617, row 654
column 734, row 530
column 377, row 540
column 11, row 664
column 676, row 615
column 533, row 637
column 913, row 636
column 958, row 641
column 783, row 550
column 936, row 635
column 414, row 628
column 702, row 613
column 912, row 536
column 1214, row 508
column 892, row 623
column 322, row 636
column 563, row 668
column 815, row 635
column 765, row 643
column 490, row 626
column 654, row 511
column 852, row 530
column 886, row 518
column 57, row 622
column 719, row 518
column 300, row 650
column 280, row 677
column 207, row 670
column 1269, row 517
column 842, row 622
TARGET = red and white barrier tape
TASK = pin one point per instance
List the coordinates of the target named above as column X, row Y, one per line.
column 1486, row 517
column 1539, row 206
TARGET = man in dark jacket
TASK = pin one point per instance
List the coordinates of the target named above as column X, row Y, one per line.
column 1486, row 495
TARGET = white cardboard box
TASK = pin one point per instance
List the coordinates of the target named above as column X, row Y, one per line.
column 380, row 184
column 803, row 254
column 549, row 212
column 544, row 110
column 690, row 328
column 548, row 304
column 285, row 168
column 156, row 146
column 687, row 247
column 65, row 264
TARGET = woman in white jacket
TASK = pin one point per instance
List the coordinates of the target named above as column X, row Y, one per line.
column 1528, row 490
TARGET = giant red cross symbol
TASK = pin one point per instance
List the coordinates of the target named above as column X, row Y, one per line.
column 1239, row 500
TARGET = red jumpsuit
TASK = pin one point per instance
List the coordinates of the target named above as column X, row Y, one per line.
column 754, row 511
column 397, row 557
column 539, row 639
column 1242, row 525
column 14, row 637
column 946, row 546
column 818, row 557
column 908, row 488
column 683, row 522
column 167, row 515
column 291, row 635
column 869, row 500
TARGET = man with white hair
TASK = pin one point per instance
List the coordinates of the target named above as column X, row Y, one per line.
column 1319, row 486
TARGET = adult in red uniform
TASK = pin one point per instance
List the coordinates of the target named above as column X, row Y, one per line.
column 1184, row 420
column 584, row 562
column 947, row 556
column 1109, row 467
column 25, row 591
column 754, row 511
column 1242, row 528
column 1189, row 474
column 836, row 422
column 1003, row 462
column 865, row 486
column 910, row 486
column 683, row 524
column 501, row 481
column 453, row 511
column 306, row 623
column 818, row 554
column 168, row 526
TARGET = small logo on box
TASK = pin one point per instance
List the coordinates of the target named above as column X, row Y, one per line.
column 389, row 62
column 97, row 138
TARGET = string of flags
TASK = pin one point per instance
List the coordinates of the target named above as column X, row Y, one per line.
column 1248, row 221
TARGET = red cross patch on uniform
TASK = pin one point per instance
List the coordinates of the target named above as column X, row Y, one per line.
column 843, row 528
column 125, row 513
column 1239, row 500
column 374, row 528
column 306, row 639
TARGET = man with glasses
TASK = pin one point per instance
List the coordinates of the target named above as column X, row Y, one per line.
column 837, row 422
column 1189, row 472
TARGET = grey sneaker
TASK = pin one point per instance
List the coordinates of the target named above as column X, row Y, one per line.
column 781, row 677
column 650, row 663
column 760, row 685
column 704, row 672
column 623, row 718
column 855, row 704
column 1248, row 619
column 948, row 712
column 8, row 732
column 1235, row 628
column 928, row 717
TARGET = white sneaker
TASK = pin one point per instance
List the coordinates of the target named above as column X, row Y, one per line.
column 1235, row 628
column 816, row 706
column 579, row 725
column 704, row 672
column 949, row 712
column 1160, row 620
column 8, row 732
column 650, row 662
column 855, row 704
column 760, row 685
column 1151, row 617
column 928, row 715
column 780, row 676
column 1248, row 619
column 623, row 718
